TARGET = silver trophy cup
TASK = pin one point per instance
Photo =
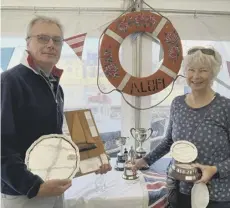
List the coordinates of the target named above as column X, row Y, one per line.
column 121, row 156
column 141, row 135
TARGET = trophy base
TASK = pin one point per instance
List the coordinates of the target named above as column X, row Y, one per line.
column 140, row 155
column 130, row 177
column 119, row 168
column 184, row 172
column 144, row 168
column 128, row 172
column 120, row 163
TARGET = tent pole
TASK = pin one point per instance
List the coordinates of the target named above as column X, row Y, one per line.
column 137, row 68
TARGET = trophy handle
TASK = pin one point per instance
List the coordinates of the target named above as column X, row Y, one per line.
column 151, row 130
column 131, row 132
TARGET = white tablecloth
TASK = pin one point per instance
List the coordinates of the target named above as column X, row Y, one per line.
column 118, row 192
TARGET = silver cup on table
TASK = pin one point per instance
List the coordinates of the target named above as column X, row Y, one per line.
column 141, row 135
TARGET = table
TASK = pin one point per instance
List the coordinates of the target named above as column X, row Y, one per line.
column 118, row 192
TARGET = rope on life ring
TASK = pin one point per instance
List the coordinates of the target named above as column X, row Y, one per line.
column 160, row 28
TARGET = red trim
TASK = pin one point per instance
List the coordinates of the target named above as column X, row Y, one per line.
column 30, row 62
column 76, row 36
column 55, row 71
column 76, row 45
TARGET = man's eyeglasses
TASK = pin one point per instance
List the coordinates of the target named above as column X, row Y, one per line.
column 207, row 51
column 44, row 39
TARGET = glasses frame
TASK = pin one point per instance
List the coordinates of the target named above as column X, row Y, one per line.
column 48, row 39
column 206, row 51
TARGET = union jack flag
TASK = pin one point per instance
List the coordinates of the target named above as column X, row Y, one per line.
column 156, row 187
column 77, row 43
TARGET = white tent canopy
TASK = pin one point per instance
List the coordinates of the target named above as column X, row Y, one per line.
column 200, row 22
column 194, row 20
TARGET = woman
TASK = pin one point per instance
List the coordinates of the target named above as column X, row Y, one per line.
column 203, row 118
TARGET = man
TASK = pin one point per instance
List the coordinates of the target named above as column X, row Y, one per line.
column 32, row 106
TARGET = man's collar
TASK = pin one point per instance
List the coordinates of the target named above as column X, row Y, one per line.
column 28, row 61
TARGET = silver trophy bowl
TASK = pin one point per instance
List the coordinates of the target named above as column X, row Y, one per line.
column 141, row 135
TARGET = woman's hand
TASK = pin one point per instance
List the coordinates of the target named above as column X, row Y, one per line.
column 139, row 163
column 207, row 172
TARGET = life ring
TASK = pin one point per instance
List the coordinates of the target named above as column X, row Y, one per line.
column 159, row 27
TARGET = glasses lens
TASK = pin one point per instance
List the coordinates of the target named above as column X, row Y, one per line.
column 207, row 51
column 44, row 39
column 57, row 40
column 193, row 51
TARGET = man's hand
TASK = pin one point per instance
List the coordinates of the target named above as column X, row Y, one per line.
column 54, row 187
column 207, row 172
column 104, row 169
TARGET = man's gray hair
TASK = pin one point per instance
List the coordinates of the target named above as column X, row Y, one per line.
column 45, row 19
